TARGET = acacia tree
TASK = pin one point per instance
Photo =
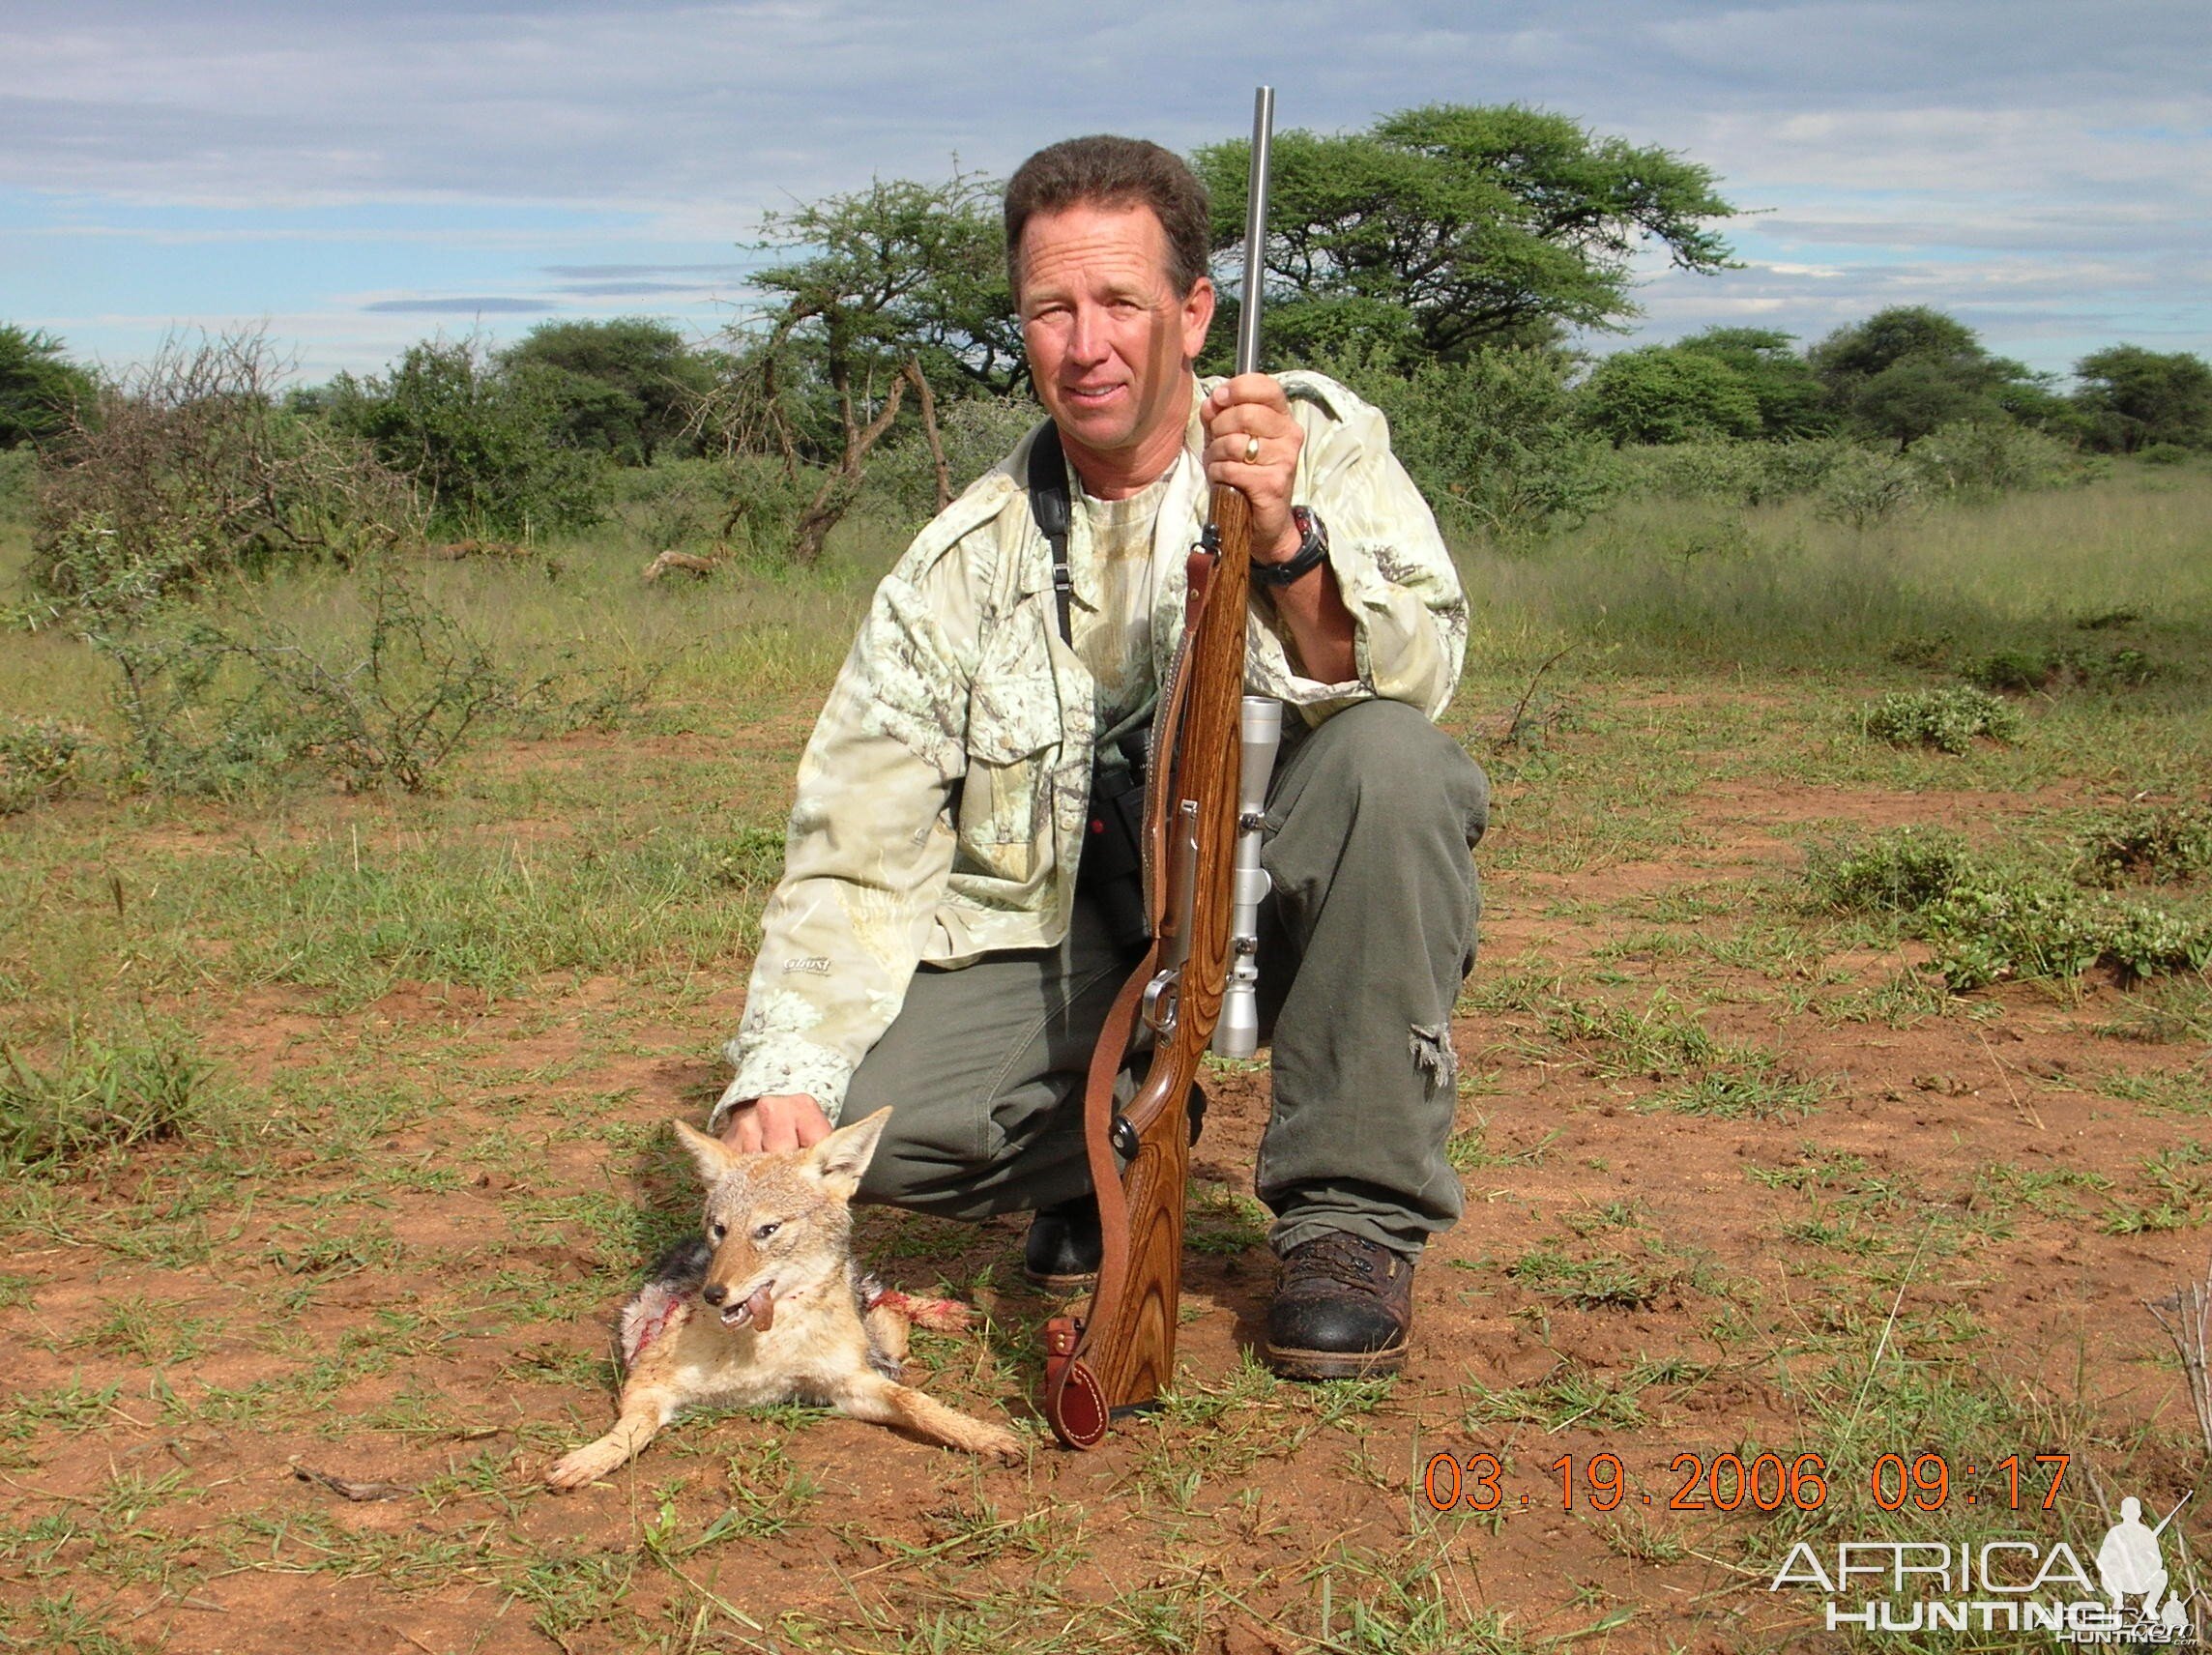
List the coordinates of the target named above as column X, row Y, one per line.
column 1907, row 370
column 2135, row 397
column 903, row 288
column 1443, row 230
column 623, row 386
column 1792, row 402
column 41, row 389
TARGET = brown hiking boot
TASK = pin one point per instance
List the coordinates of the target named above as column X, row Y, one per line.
column 1342, row 1310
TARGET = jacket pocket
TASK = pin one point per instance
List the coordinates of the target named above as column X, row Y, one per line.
column 1013, row 734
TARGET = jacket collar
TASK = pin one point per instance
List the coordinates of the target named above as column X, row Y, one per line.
column 1182, row 511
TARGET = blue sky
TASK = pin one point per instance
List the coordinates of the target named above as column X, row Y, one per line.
column 357, row 176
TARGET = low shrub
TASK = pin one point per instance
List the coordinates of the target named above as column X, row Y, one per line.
column 1864, row 488
column 2027, row 927
column 89, row 567
column 1739, row 474
column 1923, row 648
column 2114, row 669
column 1980, row 459
column 192, row 467
column 2162, row 455
column 1986, row 929
column 975, row 432
column 762, row 512
column 101, row 1095
column 1894, row 873
column 479, row 443
column 1490, row 441
column 210, row 707
column 38, row 758
column 2060, row 666
column 1945, row 719
column 672, row 506
column 1799, row 467
column 2150, row 841
column 1987, row 925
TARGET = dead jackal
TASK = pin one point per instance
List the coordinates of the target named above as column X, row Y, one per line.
column 768, row 1307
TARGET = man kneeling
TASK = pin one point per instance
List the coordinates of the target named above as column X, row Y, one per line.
column 936, row 943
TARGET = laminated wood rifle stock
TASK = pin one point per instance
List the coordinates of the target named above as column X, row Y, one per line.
column 1119, row 1355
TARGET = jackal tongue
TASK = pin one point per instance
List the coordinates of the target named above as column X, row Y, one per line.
column 757, row 1312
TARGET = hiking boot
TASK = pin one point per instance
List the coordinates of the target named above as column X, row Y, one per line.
column 1342, row 1311
column 1064, row 1247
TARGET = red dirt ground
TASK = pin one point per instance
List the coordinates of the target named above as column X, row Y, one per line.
column 231, row 1550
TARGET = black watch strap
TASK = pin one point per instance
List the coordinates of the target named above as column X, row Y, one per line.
column 1313, row 549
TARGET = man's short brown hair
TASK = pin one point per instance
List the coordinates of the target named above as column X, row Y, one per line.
column 1106, row 171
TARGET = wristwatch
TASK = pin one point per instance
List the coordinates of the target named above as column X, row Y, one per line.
column 1313, row 547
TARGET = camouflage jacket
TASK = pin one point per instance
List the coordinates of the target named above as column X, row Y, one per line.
column 940, row 799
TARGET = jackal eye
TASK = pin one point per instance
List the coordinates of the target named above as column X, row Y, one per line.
column 716, row 1233
column 762, row 1231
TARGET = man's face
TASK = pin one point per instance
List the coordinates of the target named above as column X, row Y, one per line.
column 1110, row 340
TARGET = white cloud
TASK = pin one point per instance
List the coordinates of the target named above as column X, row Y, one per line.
column 2043, row 165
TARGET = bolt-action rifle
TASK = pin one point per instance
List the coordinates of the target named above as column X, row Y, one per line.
column 1213, row 749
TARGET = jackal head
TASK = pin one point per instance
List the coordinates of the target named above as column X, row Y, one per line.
column 779, row 1223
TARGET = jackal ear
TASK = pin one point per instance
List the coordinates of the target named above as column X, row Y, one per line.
column 840, row 1158
column 713, row 1157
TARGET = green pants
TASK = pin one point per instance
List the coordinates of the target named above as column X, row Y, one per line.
column 1363, row 944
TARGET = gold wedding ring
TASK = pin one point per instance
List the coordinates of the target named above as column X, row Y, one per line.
column 1251, row 449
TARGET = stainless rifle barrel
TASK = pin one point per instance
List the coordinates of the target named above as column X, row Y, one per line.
column 1255, row 233
column 1261, row 726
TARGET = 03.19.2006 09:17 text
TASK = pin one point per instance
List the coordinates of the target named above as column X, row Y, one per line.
column 1767, row 1483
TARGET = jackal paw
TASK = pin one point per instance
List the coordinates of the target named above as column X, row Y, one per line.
column 584, row 1465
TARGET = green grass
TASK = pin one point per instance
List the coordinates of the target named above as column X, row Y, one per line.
column 1803, row 592
column 1597, row 1280
column 432, row 1041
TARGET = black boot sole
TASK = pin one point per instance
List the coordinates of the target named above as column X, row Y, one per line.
column 1288, row 1362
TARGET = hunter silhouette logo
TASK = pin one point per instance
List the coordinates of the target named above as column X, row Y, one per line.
column 2008, row 1584
column 2129, row 1566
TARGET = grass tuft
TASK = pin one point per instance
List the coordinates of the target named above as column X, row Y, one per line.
column 100, row 1096
column 1604, row 1281
column 2062, row 666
